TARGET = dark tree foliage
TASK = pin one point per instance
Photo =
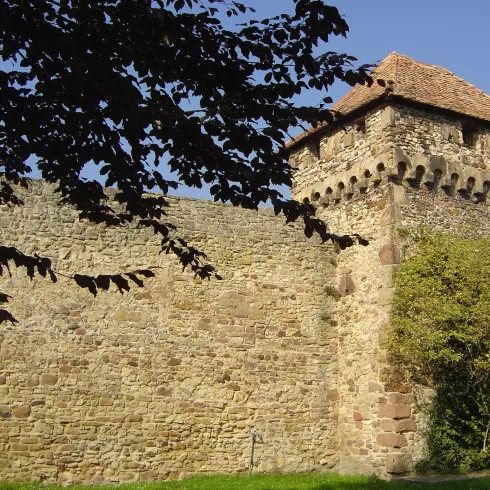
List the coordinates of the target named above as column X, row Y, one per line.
column 133, row 85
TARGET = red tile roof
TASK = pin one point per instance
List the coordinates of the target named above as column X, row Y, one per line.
column 414, row 81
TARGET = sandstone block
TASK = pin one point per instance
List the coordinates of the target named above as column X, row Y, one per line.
column 388, row 117
column 48, row 379
column 120, row 315
column 105, row 402
column 36, row 403
column 333, row 395
column 357, row 416
column 134, row 418
column 163, row 391
column 3, row 379
column 394, row 411
column 346, row 285
column 391, row 440
column 19, row 447
column 406, row 398
column 399, row 463
column 397, row 194
column 388, row 425
column 401, row 388
column 391, row 215
column 22, row 412
column 487, row 142
column 348, row 139
column 385, row 296
column 374, row 386
column 406, row 425
column 389, row 254
column 141, row 296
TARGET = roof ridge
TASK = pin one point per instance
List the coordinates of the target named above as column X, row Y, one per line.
column 397, row 56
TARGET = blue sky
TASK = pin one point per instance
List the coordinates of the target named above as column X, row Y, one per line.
column 454, row 34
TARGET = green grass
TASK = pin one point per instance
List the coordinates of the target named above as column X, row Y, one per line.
column 277, row 482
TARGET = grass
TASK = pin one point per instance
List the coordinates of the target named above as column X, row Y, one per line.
column 309, row 481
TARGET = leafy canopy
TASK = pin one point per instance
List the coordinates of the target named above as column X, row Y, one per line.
column 134, row 86
column 441, row 338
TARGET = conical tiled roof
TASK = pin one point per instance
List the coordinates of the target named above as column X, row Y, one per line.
column 414, row 81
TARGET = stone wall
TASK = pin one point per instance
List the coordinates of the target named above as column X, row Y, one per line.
column 411, row 167
column 169, row 379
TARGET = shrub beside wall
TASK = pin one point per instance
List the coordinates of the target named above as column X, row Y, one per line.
column 441, row 338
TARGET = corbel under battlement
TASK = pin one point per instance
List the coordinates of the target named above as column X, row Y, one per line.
column 432, row 173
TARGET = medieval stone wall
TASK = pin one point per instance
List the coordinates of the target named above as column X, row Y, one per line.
column 412, row 167
column 169, row 379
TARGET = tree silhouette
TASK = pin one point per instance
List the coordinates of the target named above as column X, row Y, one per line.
column 133, row 86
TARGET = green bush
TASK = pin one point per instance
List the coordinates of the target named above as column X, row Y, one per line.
column 441, row 338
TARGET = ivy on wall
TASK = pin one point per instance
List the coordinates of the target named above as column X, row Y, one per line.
column 441, row 338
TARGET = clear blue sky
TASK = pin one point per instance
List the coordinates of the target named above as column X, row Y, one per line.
column 454, row 34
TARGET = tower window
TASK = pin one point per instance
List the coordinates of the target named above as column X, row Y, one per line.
column 470, row 134
column 315, row 149
column 361, row 126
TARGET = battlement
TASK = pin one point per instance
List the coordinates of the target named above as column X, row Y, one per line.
column 409, row 146
column 433, row 174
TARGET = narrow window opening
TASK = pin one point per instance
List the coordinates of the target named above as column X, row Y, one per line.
column 470, row 134
column 316, row 149
column 361, row 126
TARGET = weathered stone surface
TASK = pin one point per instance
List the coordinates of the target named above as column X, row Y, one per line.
column 163, row 391
column 348, row 139
column 134, row 418
column 385, row 296
column 394, row 411
column 357, row 416
column 374, row 386
column 48, row 379
column 391, row 440
column 388, row 425
column 388, row 117
column 189, row 365
column 346, row 285
column 389, row 254
column 178, row 365
column 406, row 425
column 22, row 411
column 406, row 398
column 399, row 463
column 38, row 403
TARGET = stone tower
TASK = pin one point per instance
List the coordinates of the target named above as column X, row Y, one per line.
column 412, row 149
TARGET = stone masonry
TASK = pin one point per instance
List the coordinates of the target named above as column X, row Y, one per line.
column 170, row 379
column 409, row 168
